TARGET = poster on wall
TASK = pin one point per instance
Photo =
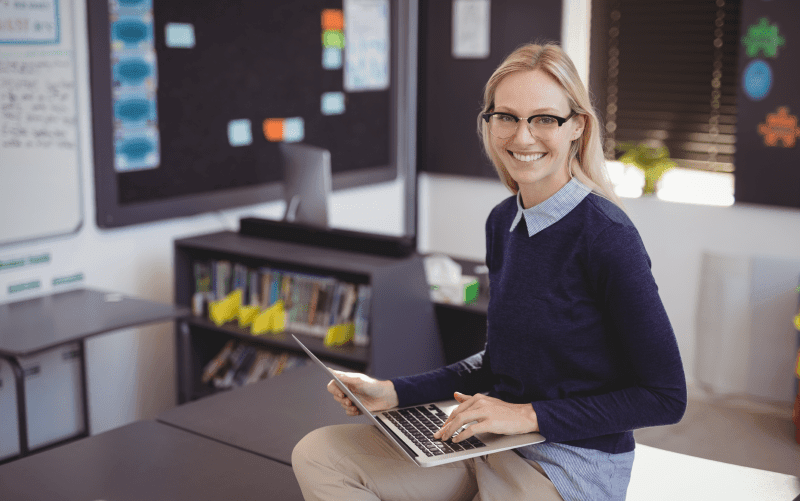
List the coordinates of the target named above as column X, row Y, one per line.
column 768, row 104
column 40, row 177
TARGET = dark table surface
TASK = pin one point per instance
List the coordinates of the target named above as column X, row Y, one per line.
column 146, row 460
column 268, row 417
column 38, row 324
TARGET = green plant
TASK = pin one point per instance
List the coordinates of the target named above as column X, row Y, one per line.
column 653, row 162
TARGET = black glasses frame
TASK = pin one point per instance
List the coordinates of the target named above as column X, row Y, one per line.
column 559, row 120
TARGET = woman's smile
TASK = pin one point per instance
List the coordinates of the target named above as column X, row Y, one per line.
column 526, row 157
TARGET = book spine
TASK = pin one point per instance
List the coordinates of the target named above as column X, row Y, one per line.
column 245, row 363
column 219, row 362
column 265, row 277
column 313, row 301
column 254, row 287
column 361, row 328
column 338, row 289
column 222, row 278
column 275, row 288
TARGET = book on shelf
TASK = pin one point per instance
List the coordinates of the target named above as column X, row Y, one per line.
column 202, row 287
column 361, row 320
column 348, row 301
column 238, row 364
column 221, row 276
column 237, row 358
column 312, row 304
column 261, row 365
column 218, row 363
column 253, row 287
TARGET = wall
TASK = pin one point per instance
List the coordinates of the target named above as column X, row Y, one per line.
column 131, row 372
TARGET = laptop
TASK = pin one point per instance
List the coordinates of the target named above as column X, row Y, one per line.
column 411, row 429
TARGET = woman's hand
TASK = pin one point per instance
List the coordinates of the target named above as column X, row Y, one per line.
column 374, row 394
column 487, row 415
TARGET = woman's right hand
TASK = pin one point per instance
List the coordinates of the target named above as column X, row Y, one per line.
column 376, row 395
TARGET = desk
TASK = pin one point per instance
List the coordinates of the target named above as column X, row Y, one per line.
column 40, row 324
column 268, row 417
column 660, row 475
column 147, row 460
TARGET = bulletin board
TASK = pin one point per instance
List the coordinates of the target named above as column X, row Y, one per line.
column 454, row 69
column 768, row 105
column 40, row 193
column 190, row 100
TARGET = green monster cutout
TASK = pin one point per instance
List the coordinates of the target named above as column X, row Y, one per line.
column 763, row 37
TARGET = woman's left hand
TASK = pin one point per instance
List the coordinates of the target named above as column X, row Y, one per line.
column 487, row 415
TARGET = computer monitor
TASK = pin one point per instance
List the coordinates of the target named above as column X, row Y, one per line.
column 306, row 183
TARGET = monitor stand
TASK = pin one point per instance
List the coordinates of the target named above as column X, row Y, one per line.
column 307, row 183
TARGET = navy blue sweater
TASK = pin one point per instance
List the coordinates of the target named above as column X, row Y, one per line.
column 575, row 326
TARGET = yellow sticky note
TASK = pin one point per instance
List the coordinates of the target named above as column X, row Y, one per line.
column 260, row 323
column 225, row 309
column 339, row 334
column 278, row 317
column 273, row 319
column 247, row 314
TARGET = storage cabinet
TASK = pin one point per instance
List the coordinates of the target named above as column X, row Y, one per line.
column 53, row 399
column 402, row 333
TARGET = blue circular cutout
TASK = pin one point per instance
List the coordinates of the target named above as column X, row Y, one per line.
column 757, row 79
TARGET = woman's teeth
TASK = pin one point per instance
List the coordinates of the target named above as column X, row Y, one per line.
column 527, row 158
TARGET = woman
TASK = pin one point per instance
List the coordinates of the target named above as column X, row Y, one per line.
column 579, row 346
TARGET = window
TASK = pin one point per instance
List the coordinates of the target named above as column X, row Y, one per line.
column 664, row 73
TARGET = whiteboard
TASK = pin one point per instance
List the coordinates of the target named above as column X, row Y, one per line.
column 40, row 192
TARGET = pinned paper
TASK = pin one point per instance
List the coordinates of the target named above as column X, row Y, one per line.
column 332, row 103
column 366, row 45
column 240, row 132
column 179, row 35
column 471, row 21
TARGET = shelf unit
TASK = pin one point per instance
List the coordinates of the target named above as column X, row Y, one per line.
column 402, row 324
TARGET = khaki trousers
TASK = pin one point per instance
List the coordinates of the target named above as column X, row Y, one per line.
column 357, row 462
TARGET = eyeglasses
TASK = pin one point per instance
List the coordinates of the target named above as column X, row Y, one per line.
column 504, row 125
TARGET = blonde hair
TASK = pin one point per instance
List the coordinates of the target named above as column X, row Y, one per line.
column 586, row 151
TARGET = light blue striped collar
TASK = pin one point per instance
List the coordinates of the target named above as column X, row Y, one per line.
column 551, row 210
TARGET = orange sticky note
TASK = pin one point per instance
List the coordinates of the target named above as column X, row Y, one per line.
column 273, row 129
column 332, row 19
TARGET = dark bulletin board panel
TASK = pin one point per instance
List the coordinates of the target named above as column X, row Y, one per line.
column 768, row 105
column 251, row 60
column 451, row 90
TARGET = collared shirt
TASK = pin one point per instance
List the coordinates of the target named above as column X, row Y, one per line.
column 577, row 473
column 551, row 210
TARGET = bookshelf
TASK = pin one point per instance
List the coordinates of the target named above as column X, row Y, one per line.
column 401, row 324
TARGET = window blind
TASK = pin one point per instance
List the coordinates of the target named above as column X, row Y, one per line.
column 669, row 76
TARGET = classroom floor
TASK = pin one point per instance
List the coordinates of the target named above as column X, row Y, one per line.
column 737, row 431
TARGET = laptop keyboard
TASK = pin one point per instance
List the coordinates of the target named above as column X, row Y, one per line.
column 420, row 423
